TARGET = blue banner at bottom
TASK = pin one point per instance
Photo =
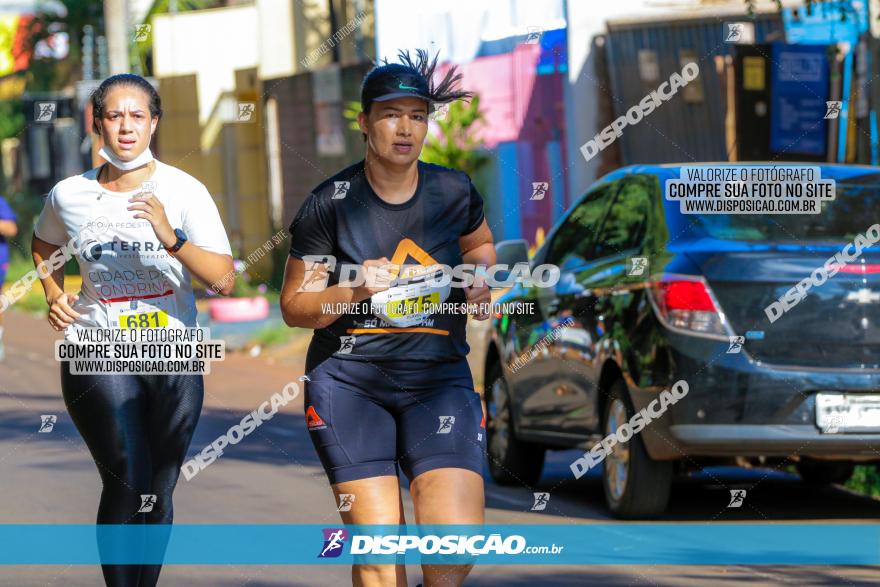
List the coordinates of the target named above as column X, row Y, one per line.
column 540, row 544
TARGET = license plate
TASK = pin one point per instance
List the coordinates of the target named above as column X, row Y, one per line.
column 157, row 319
column 848, row 412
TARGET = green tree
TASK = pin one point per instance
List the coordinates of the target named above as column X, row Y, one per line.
column 48, row 74
column 11, row 118
column 457, row 144
column 45, row 75
column 352, row 109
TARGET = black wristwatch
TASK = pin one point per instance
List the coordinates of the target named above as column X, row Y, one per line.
column 181, row 240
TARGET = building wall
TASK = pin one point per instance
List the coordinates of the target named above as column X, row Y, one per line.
column 458, row 29
column 276, row 40
column 206, row 63
column 524, row 128
column 302, row 168
column 585, row 90
column 210, row 62
column 210, row 44
column 250, row 184
column 179, row 131
column 668, row 135
column 585, row 21
column 314, row 30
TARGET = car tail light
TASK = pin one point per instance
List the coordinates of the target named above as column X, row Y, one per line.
column 686, row 303
column 860, row 269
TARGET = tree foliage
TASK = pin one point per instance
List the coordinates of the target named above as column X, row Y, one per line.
column 48, row 74
column 457, row 144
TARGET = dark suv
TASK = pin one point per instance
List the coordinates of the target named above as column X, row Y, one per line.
column 648, row 296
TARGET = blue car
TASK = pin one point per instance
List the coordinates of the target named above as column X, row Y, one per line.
column 712, row 337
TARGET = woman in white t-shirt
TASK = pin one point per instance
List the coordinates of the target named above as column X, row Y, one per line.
column 140, row 230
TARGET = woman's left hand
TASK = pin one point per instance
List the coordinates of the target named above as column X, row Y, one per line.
column 152, row 210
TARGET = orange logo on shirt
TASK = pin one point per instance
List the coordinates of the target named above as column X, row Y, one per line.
column 483, row 423
column 407, row 247
column 313, row 419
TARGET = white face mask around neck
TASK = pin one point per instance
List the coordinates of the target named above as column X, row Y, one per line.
column 115, row 161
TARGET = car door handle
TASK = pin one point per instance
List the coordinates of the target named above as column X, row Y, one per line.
column 563, row 390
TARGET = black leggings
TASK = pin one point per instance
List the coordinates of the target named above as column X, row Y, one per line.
column 138, row 429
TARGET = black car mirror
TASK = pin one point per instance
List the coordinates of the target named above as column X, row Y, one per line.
column 511, row 252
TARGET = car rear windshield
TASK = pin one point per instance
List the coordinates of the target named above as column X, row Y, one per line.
column 853, row 210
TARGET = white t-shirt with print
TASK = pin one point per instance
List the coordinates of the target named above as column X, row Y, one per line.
column 127, row 275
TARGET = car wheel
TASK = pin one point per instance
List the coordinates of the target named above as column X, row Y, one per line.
column 636, row 486
column 819, row 473
column 511, row 461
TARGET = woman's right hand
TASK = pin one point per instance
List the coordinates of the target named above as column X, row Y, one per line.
column 61, row 314
column 378, row 276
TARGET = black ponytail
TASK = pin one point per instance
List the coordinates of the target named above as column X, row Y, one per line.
column 446, row 90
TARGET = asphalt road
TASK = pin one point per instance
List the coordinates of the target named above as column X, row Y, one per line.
column 273, row 477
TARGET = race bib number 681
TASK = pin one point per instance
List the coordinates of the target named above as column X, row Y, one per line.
column 157, row 319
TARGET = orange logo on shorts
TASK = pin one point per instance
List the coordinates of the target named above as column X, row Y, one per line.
column 313, row 419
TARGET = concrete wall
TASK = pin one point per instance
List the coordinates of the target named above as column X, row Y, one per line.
column 207, row 63
column 276, row 39
column 301, row 167
column 210, row 44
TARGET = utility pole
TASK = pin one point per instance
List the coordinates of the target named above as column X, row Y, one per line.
column 334, row 26
column 873, row 12
column 117, row 33
column 88, row 52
